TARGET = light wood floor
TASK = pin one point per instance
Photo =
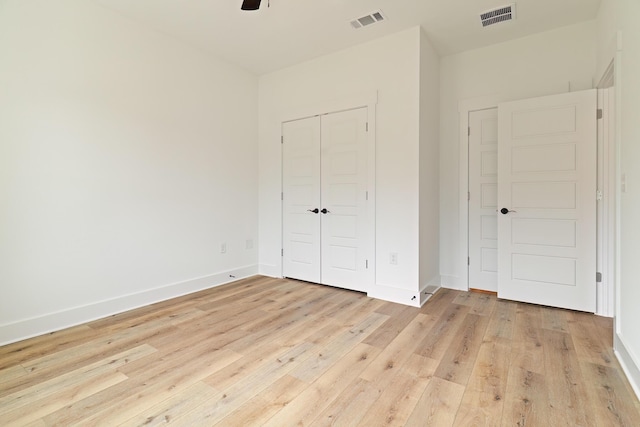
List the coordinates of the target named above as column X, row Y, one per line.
column 282, row 353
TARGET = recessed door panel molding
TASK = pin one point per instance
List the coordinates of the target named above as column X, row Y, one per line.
column 301, row 226
column 489, row 164
column 489, row 131
column 543, row 122
column 489, row 227
column 344, row 226
column 483, row 199
column 344, row 163
column 550, row 270
column 546, row 200
column 302, row 195
column 302, row 253
column 544, row 232
column 343, row 258
column 489, row 260
column 343, row 194
column 488, row 195
column 545, row 158
column 325, row 178
column 544, row 195
column 301, row 166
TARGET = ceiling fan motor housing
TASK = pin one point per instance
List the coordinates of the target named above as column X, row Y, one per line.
column 250, row 4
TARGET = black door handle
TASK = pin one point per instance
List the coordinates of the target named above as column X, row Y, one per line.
column 315, row 211
column 325, row 211
column 505, row 211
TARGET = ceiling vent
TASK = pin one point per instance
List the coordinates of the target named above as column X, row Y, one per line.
column 500, row 14
column 363, row 21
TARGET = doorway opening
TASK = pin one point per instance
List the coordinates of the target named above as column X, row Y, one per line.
column 478, row 232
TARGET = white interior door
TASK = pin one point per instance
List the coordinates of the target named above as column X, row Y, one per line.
column 301, row 199
column 547, row 187
column 344, row 199
column 483, row 199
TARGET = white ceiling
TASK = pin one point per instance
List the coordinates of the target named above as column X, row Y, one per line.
column 292, row 31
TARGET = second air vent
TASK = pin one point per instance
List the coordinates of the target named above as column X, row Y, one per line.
column 372, row 18
column 500, row 14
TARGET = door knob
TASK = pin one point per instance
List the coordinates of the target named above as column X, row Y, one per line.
column 325, row 211
column 315, row 211
column 505, row 211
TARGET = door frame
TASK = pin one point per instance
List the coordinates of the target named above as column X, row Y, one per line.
column 367, row 100
column 605, row 293
column 607, row 206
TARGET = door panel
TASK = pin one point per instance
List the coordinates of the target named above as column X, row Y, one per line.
column 483, row 201
column 301, row 188
column 344, row 179
column 543, row 195
column 547, row 180
column 544, row 232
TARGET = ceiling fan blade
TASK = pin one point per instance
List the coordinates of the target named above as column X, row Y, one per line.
column 250, row 4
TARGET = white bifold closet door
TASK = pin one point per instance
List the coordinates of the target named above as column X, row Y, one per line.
column 547, row 200
column 325, row 199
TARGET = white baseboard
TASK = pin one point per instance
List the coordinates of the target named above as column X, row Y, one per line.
column 429, row 289
column 28, row 328
column 453, row 282
column 630, row 365
column 270, row 270
column 397, row 295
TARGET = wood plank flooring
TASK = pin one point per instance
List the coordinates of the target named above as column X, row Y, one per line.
column 278, row 352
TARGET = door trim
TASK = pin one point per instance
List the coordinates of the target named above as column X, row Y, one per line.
column 606, row 221
column 367, row 100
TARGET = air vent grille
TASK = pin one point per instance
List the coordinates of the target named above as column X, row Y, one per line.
column 501, row 14
column 372, row 18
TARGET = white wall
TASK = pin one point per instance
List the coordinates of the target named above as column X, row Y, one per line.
column 537, row 65
column 126, row 159
column 390, row 66
column 624, row 16
column 429, row 165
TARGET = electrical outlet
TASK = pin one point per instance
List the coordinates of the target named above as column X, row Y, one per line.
column 223, row 248
column 393, row 258
column 249, row 244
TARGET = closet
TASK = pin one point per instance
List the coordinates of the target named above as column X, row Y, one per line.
column 324, row 199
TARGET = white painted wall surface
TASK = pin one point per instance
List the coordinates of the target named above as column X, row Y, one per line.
column 429, row 165
column 538, row 65
column 126, row 159
column 624, row 16
column 390, row 66
column 606, row 40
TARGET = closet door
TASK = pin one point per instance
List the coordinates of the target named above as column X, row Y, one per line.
column 344, row 199
column 301, row 199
